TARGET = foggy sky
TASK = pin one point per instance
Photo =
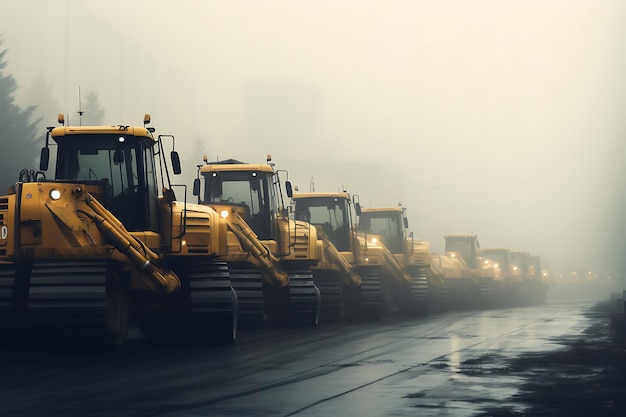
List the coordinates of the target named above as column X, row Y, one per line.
column 503, row 118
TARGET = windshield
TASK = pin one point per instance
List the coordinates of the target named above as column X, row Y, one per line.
column 126, row 172
column 103, row 159
column 387, row 225
column 463, row 246
column 497, row 256
column 250, row 190
column 328, row 212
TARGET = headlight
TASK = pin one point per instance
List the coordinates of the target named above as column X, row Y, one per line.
column 374, row 240
column 224, row 213
column 55, row 194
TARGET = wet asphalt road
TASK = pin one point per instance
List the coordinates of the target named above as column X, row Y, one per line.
column 450, row 364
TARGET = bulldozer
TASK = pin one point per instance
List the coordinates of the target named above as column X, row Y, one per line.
column 470, row 277
column 537, row 281
column 348, row 271
column 407, row 260
column 510, row 275
column 270, row 255
column 531, row 289
column 101, row 245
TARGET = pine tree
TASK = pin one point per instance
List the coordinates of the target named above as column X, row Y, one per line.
column 93, row 114
column 18, row 132
column 40, row 91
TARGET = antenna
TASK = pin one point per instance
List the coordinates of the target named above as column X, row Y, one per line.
column 312, row 185
column 80, row 109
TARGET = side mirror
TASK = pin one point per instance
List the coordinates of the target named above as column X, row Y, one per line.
column 175, row 162
column 45, row 159
column 196, row 186
column 406, row 222
column 357, row 208
column 288, row 189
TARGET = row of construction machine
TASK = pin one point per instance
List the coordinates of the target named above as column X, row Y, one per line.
column 349, row 271
column 373, row 263
column 270, row 255
column 406, row 274
column 104, row 243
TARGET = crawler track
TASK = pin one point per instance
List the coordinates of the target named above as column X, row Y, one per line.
column 486, row 293
column 329, row 284
column 210, row 304
column 414, row 298
column 367, row 301
column 296, row 304
column 82, row 301
column 247, row 281
column 463, row 293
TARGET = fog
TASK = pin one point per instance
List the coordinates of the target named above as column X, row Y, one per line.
column 503, row 118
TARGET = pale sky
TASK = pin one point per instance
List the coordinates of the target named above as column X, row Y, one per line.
column 503, row 118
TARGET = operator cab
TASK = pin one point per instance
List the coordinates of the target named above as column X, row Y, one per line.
column 332, row 214
column 123, row 164
column 387, row 224
column 466, row 246
column 252, row 192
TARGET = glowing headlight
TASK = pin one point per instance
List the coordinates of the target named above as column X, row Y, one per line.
column 224, row 213
column 367, row 259
column 486, row 262
column 55, row 194
column 374, row 240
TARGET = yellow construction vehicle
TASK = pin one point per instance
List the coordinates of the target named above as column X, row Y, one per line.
column 469, row 276
column 537, row 281
column 504, row 288
column 348, row 271
column 105, row 242
column 270, row 255
column 531, row 288
column 407, row 260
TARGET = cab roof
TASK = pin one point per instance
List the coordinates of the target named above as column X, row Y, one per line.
column 494, row 250
column 381, row 209
column 461, row 236
column 321, row 195
column 141, row 132
column 234, row 165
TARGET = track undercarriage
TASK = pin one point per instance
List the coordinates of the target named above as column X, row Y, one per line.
column 298, row 303
column 204, row 310
column 367, row 301
column 413, row 298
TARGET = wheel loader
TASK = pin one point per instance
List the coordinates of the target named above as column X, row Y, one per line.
column 105, row 242
column 406, row 260
column 348, row 274
column 270, row 255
